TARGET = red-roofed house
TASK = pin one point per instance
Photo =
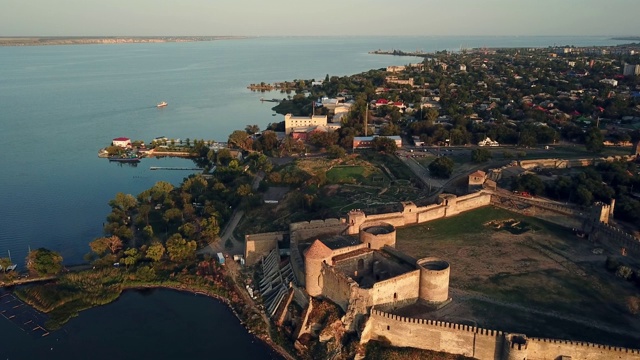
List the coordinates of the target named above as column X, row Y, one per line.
column 121, row 142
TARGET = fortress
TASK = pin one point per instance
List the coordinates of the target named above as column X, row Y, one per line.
column 353, row 262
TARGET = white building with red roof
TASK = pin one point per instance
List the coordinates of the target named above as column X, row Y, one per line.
column 123, row 142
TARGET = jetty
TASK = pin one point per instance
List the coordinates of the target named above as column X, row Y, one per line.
column 175, row 168
column 26, row 317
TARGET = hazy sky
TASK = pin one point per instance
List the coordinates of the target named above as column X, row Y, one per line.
column 327, row 17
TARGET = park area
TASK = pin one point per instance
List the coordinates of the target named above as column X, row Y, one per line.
column 519, row 274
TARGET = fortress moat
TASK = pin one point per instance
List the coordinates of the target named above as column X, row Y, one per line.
column 428, row 296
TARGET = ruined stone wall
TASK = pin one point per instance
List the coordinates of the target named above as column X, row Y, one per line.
column 258, row 246
column 308, row 229
column 336, row 286
column 553, row 349
column 473, row 201
column 400, row 288
column 434, row 335
column 353, row 266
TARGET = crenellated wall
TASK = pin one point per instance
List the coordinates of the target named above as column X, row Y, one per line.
column 433, row 335
column 616, row 238
column 481, row 343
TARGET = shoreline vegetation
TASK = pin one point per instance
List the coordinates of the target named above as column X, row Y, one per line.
column 89, row 40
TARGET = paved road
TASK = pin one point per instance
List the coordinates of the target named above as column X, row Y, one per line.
column 237, row 247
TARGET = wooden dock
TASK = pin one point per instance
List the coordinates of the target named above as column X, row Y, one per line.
column 27, row 318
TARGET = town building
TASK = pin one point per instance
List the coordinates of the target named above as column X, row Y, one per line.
column 291, row 122
column 631, row 70
column 122, row 142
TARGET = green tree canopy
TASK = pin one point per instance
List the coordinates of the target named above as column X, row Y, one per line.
column 155, row 251
column 594, row 140
column 44, row 262
column 480, row 155
column 441, row 167
column 384, row 144
column 180, row 250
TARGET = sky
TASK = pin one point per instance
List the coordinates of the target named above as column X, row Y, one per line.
column 318, row 18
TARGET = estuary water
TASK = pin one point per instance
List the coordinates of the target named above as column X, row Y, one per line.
column 60, row 104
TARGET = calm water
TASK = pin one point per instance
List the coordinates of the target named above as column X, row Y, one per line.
column 60, row 104
column 158, row 324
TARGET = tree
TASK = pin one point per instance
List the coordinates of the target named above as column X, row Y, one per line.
column 44, row 262
column 480, row 155
column 131, row 257
column 101, row 245
column 172, row 215
column 244, row 190
column 335, row 152
column 252, row 129
column 124, row 202
column 155, row 251
column 179, row 249
column 441, row 167
column 529, row 183
column 210, row 228
column 594, row 140
column 238, row 138
column 385, row 144
column 4, row 263
column 143, row 213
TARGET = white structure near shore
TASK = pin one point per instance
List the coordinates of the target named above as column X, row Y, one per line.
column 292, row 122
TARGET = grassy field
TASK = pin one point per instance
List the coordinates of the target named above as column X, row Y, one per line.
column 546, row 268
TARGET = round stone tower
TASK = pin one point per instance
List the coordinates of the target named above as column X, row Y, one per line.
column 378, row 234
column 434, row 280
column 314, row 256
column 515, row 347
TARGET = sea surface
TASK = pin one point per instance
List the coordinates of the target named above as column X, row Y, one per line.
column 60, row 104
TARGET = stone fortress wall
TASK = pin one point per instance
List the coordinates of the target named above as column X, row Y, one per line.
column 481, row 343
column 426, row 282
column 564, row 163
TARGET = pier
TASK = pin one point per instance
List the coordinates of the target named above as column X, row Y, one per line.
column 23, row 315
column 175, row 168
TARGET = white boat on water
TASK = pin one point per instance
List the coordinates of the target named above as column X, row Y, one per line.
column 162, row 104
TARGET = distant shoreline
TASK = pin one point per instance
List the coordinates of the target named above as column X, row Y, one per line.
column 90, row 40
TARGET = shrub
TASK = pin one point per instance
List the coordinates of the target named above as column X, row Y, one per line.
column 624, row 272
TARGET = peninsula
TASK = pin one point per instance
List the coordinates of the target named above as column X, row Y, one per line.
column 87, row 40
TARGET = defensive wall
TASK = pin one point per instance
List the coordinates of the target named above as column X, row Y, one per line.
column 449, row 205
column 258, row 246
column 616, row 238
column 482, row 344
column 565, row 164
